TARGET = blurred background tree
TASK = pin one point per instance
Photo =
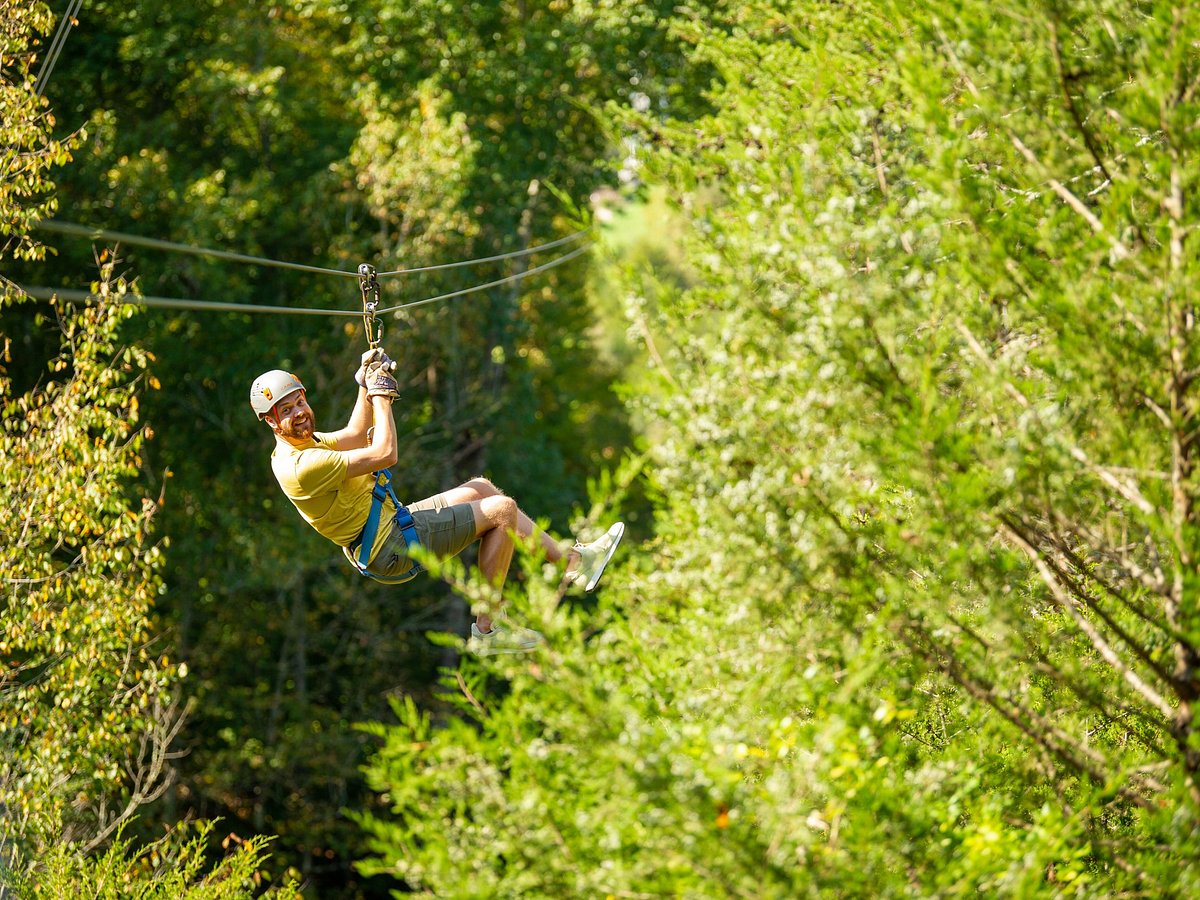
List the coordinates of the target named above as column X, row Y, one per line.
column 892, row 303
column 90, row 699
column 329, row 135
column 916, row 618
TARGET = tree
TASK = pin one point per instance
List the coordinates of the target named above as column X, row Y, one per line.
column 331, row 135
column 917, row 619
column 80, row 685
column 88, row 704
column 30, row 150
column 173, row 868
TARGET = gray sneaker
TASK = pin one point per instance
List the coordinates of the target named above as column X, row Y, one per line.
column 594, row 557
column 503, row 639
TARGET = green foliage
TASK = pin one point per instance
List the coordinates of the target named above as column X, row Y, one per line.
column 173, row 868
column 916, row 620
column 84, row 685
column 88, row 709
column 403, row 134
column 30, row 151
column 90, row 702
column 918, row 398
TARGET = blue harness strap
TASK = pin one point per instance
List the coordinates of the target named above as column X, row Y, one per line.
column 366, row 540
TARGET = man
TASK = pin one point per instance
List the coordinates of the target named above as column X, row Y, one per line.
column 329, row 477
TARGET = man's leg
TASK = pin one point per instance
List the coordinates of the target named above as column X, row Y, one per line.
column 478, row 489
column 496, row 517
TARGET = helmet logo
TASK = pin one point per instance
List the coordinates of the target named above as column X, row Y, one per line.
column 267, row 393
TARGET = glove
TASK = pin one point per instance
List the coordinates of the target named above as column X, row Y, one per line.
column 379, row 381
column 371, row 356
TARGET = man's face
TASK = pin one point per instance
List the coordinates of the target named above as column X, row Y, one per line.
column 292, row 418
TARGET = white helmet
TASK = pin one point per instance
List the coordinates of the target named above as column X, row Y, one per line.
column 271, row 387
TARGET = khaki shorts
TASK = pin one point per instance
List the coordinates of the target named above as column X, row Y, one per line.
column 444, row 531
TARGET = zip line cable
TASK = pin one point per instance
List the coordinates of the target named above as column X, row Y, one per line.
column 67, row 228
column 487, row 259
column 46, row 293
column 43, row 78
column 47, row 67
column 56, row 45
column 138, row 240
column 157, row 244
column 482, row 287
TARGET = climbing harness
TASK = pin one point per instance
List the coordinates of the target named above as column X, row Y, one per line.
column 359, row 553
column 368, row 284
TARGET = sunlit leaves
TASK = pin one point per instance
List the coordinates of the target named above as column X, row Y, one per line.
column 29, row 148
column 173, row 868
column 83, row 681
column 911, row 460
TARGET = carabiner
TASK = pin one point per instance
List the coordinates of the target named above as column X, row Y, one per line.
column 369, row 285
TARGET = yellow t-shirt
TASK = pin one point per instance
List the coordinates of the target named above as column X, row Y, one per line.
column 314, row 478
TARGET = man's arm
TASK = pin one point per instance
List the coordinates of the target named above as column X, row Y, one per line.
column 382, row 451
column 354, row 435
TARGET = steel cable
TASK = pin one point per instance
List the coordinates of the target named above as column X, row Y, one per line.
column 56, row 45
column 47, row 68
column 512, row 254
column 138, row 240
column 46, row 293
column 482, row 287
column 158, row 244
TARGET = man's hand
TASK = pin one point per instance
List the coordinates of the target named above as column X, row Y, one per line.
column 371, row 356
column 379, row 381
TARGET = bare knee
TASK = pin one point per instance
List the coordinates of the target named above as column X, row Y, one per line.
column 499, row 511
column 506, row 511
column 482, row 487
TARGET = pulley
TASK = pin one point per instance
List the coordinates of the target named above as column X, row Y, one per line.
column 368, row 283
